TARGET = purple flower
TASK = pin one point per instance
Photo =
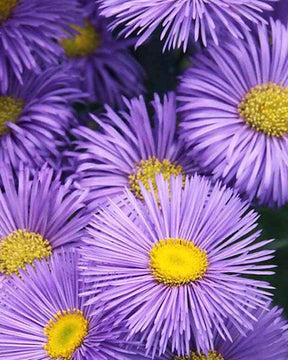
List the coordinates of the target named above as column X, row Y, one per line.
column 107, row 71
column 128, row 149
column 37, row 215
column 42, row 317
column 34, row 117
column 266, row 341
column 177, row 17
column 234, row 111
column 28, row 30
column 173, row 264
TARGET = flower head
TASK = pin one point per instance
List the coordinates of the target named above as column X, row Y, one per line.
column 28, row 30
column 35, row 116
column 128, row 149
column 42, row 316
column 234, row 111
column 37, row 215
column 178, row 18
column 266, row 341
column 173, row 264
column 107, row 71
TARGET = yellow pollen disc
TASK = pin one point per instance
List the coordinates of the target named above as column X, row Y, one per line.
column 176, row 262
column 148, row 169
column 84, row 43
column 6, row 7
column 65, row 333
column 20, row 249
column 265, row 109
column 196, row 356
column 10, row 109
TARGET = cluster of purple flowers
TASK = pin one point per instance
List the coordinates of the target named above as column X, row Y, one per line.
column 130, row 234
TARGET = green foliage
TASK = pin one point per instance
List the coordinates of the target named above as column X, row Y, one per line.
column 274, row 223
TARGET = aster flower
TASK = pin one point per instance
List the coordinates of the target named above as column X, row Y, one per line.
column 42, row 317
column 128, row 149
column 178, row 17
column 28, row 30
column 233, row 104
column 34, row 117
column 107, row 71
column 37, row 215
column 266, row 341
column 173, row 264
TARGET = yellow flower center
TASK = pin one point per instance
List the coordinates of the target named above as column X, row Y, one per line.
column 10, row 109
column 148, row 169
column 65, row 333
column 84, row 43
column 6, row 7
column 213, row 355
column 21, row 248
column 177, row 262
column 265, row 109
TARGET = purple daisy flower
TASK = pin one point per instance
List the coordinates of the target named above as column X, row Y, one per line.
column 107, row 71
column 42, row 317
column 178, row 17
column 28, row 30
column 173, row 264
column 128, row 149
column 34, row 117
column 266, row 341
column 233, row 104
column 37, row 215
